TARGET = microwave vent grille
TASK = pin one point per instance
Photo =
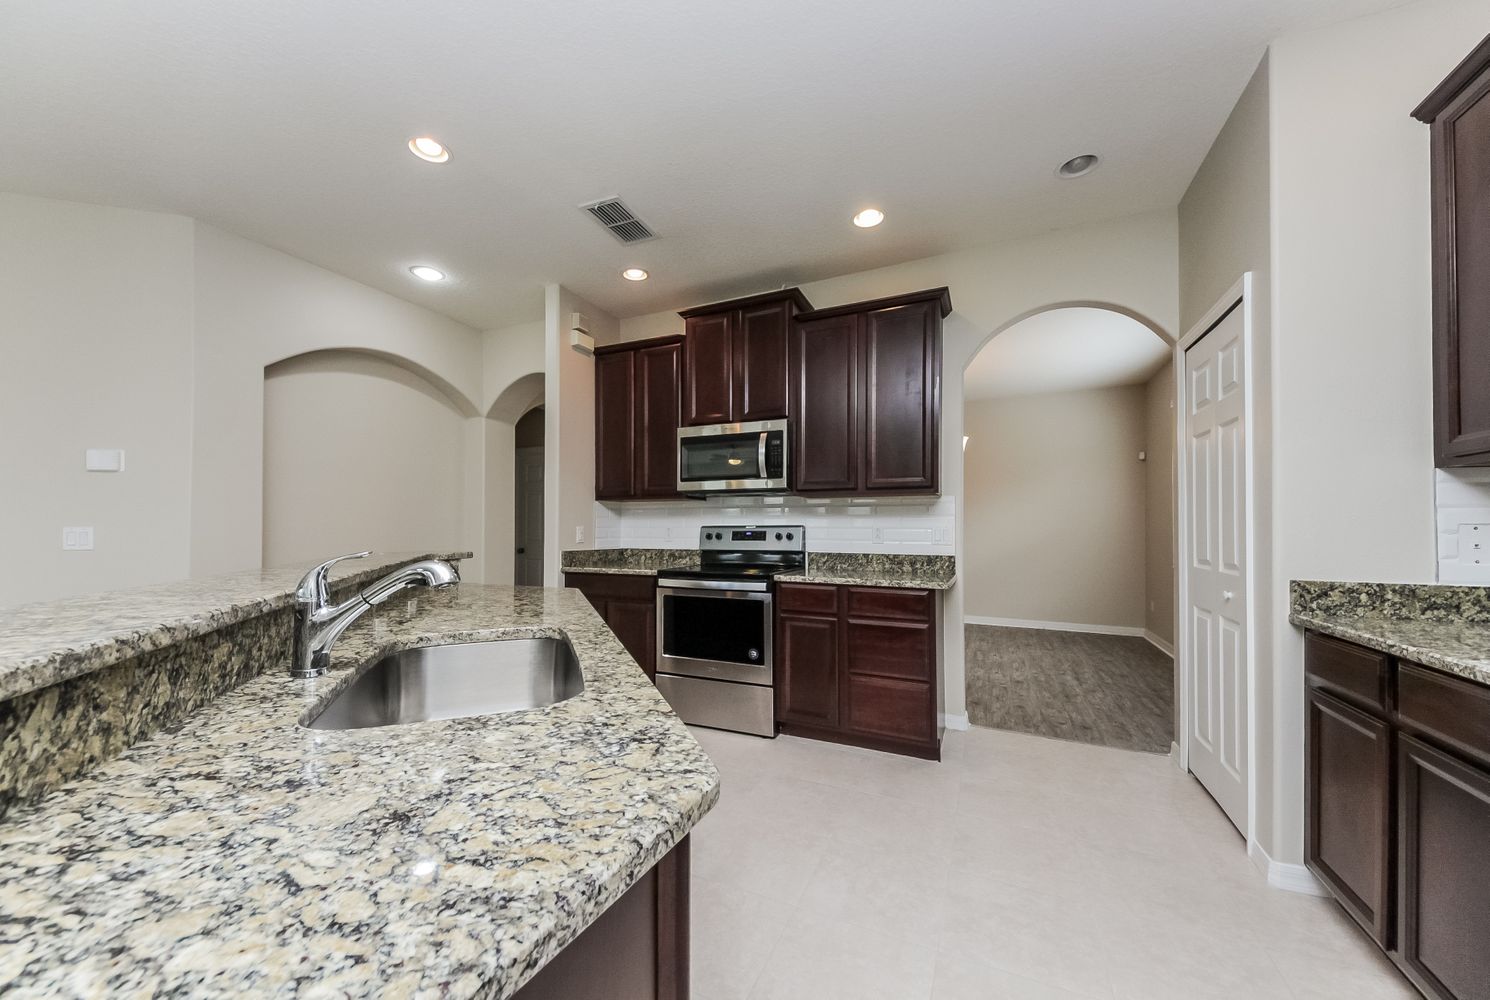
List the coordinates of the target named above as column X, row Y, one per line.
column 619, row 220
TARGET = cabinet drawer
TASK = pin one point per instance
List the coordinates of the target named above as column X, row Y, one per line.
column 807, row 599
column 1445, row 708
column 886, row 602
column 1353, row 672
column 891, row 649
column 626, row 586
column 884, row 706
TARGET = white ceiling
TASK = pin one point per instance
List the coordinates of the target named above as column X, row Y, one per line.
column 746, row 134
column 1065, row 350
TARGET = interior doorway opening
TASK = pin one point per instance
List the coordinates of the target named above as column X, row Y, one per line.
column 527, row 501
column 1069, row 531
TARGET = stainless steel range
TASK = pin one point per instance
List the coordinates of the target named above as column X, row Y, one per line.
column 714, row 625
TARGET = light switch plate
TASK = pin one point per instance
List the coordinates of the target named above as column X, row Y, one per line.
column 77, row 539
column 103, row 460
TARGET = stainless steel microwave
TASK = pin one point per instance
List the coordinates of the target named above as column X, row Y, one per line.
column 733, row 458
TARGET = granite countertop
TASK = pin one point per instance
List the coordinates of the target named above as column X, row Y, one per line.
column 1444, row 627
column 854, row 569
column 52, row 641
column 242, row 855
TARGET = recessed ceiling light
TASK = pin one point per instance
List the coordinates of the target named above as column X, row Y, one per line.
column 427, row 273
column 1078, row 166
column 869, row 218
column 634, row 274
column 428, row 149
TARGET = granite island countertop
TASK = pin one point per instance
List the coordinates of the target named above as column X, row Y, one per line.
column 1444, row 627
column 853, row 569
column 243, row 855
column 53, row 641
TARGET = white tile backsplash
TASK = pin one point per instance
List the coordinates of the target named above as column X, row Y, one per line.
column 1462, row 510
column 910, row 525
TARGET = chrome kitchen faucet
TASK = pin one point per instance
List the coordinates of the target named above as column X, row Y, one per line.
column 318, row 623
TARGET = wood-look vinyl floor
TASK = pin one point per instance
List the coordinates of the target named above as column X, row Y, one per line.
column 1109, row 690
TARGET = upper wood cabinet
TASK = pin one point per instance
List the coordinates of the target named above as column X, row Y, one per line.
column 866, row 396
column 637, row 394
column 735, row 358
column 1459, row 112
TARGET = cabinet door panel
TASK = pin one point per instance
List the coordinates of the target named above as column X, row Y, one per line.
column 615, row 427
column 888, row 707
column 658, row 372
column 1444, row 883
column 825, row 399
column 635, row 624
column 708, row 356
column 1461, row 154
column 901, row 397
column 807, row 675
column 890, row 649
column 761, row 342
column 1347, row 837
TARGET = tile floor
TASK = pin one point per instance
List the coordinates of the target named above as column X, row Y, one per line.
column 1111, row 690
column 1018, row 868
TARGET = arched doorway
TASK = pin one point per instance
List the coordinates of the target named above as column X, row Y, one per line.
column 1068, row 528
column 527, row 481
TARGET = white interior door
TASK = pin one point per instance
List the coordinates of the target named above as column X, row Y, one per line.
column 529, row 518
column 1216, row 579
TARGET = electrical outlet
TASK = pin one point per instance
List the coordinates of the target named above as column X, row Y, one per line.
column 579, row 534
column 77, row 539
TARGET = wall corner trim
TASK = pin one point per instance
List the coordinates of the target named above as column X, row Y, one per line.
column 1166, row 648
column 1285, row 876
column 957, row 722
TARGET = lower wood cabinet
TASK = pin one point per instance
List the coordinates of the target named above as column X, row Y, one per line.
column 1397, row 787
column 637, row 949
column 858, row 665
column 629, row 606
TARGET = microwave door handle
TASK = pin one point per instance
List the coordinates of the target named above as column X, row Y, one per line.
column 761, row 457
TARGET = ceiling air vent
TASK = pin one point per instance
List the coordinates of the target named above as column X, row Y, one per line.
column 619, row 221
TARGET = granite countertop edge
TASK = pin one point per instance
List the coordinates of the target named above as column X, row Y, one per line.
column 1446, row 646
column 534, row 823
column 87, row 640
column 869, row 580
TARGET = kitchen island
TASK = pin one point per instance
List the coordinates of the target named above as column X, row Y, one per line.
column 241, row 854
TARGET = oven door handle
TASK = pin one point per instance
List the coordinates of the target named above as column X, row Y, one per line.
column 754, row 586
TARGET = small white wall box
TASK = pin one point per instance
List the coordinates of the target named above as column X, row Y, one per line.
column 582, row 342
column 579, row 322
column 77, row 539
column 104, row 460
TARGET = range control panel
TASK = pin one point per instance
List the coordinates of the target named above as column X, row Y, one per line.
column 753, row 538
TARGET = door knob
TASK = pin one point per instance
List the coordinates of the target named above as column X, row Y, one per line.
column 1226, row 595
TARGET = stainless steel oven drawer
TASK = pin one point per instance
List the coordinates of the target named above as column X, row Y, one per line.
column 741, row 708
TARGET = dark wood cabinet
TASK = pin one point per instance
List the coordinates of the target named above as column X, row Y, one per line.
column 1397, row 785
column 637, row 395
column 1458, row 112
column 615, row 425
column 1348, row 822
column 735, row 358
column 858, row 665
column 866, row 396
column 1444, row 896
column 628, row 604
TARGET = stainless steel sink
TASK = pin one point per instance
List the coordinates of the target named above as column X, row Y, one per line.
column 452, row 682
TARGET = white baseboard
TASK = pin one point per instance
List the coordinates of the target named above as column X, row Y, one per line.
column 1174, row 755
column 957, row 722
column 1285, row 876
column 1159, row 644
column 1132, row 630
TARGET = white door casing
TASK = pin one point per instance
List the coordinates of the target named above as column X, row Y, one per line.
column 1215, row 565
column 528, row 561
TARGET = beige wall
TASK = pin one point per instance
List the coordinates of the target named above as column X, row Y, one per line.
column 1130, row 263
column 569, row 414
column 1352, row 441
column 1055, row 510
column 385, row 468
column 95, row 351
column 1159, row 500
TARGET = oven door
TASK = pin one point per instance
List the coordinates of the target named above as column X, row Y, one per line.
column 708, row 628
